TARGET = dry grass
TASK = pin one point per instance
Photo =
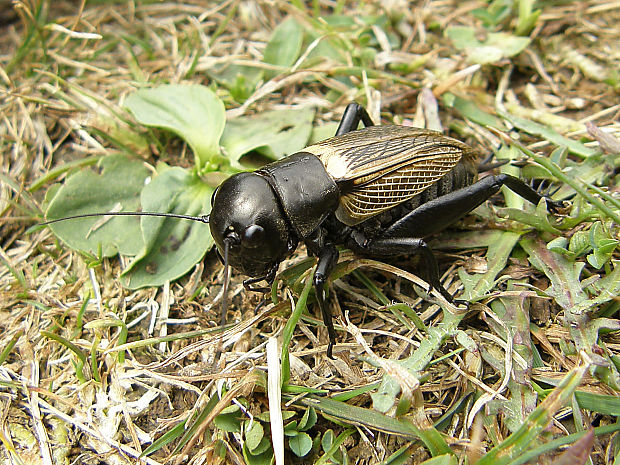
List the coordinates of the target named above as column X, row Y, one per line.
column 72, row 392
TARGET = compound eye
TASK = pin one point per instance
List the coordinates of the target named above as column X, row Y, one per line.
column 253, row 236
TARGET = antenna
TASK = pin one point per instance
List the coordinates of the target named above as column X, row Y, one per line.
column 224, row 307
column 202, row 218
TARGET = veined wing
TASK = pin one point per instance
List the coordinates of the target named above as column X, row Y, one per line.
column 381, row 166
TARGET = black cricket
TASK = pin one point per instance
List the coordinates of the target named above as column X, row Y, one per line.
column 378, row 191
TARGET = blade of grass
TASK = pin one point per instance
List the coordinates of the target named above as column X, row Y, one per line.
column 518, row 442
column 291, row 324
column 93, row 357
column 371, row 287
column 156, row 340
column 375, row 420
column 556, row 171
column 547, row 133
column 34, row 30
column 111, row 323
column 559, row 442
column 7, row 350
column 180, row 430
column 82, row 359
column 58, row 171
column 17, row 274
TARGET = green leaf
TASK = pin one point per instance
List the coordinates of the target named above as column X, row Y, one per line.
column 171, row 246
column 533, row 455
column 291, row 324
column 116, row 186
column 327, row 440
column 228, row 422
column 370, row 418
column 547, row 133
column 286, row 415
column 538, row 220
column 322, row 132
column 81, row 356
column 494, row 47
column 308, row 420
column 499, row 249
column 599, row 257
column 290, row 429
column 558, row 245
column 579, row 243
column 331, row 446
column 300, row 444
column 518, row 442
column 263, row 446
column 446, row 459
column 240, row 80
column 471, row 110
column 495, row 13
column 598, row 237
column 189, row 428
column 254, row 434
column 193, row 112
column 527, row 17
column 400, row 457
column 263, row 456
column 562, row 273
column 274, row 133
column 605, row 404
column 284, row 47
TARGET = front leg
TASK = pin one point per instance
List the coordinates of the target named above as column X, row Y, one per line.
column 248, row 284
column 328, row 257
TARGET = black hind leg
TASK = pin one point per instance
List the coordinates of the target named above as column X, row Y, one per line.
column 351, row 118
column 437, row 214
column 405, row 235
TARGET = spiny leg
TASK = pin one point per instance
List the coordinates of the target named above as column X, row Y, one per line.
column 528, row 193
column 353, row 114
column 403, row 236
column 393, row 246
column 437, row 214
column 328, row 257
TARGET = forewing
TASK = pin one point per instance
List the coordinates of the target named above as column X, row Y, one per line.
column 382, row 166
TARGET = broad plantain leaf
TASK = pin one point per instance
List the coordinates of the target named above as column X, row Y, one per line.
column 284, row 47
column 274, row 133
column 115, row 187
column 193, row 112
column 171, row 246
column 496, row 45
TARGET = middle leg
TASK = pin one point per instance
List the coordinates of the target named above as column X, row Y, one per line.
column 393, row 246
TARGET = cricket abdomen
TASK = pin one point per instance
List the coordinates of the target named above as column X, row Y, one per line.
column 462, row 175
